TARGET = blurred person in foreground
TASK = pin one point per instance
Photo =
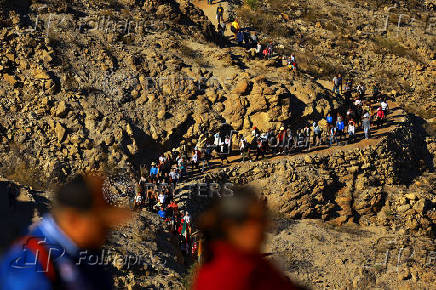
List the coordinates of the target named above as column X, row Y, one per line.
column 53, row 255
column 234, row 231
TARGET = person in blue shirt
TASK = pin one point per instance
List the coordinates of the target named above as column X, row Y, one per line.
column 54, row 254
column 154, row 171
column 340, row 127
column 329, row 119
column 162, row 213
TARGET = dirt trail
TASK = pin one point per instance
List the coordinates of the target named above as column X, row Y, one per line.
column 210, row 12
column 396, row 113
column 396, row 116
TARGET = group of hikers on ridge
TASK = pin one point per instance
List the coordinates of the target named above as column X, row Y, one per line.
column 155, row 191
column 248, row 39
column 228, row 247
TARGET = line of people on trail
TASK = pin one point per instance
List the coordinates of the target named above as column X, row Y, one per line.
column 250, row 41
column 169, row 170
column 155, row 192
column 334, row 129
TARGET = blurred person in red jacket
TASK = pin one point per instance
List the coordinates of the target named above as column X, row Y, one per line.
column 234, row 231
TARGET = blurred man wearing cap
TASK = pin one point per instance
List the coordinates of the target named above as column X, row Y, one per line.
column 51, row 256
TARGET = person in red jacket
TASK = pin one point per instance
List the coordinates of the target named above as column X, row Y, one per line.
column 233, row 231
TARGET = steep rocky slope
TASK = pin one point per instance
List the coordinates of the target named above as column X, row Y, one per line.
column 82, row 91
column 111, row 84
column 388, row 42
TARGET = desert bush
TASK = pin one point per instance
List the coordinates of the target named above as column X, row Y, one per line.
column 264, row 21
column 318, row 67
column 384, row 45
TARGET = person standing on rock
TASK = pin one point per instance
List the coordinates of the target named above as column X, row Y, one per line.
column 220, row 14
column 337, row 84
column 59, row 252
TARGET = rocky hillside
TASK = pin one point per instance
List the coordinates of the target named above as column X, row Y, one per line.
column 388, row 42
column 109, row 85
column 81, row 92
column 368, row 186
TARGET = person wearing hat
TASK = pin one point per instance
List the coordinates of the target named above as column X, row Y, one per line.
column 154, row 171
column 56, row 253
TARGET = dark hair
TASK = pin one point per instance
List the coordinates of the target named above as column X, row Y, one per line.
column 75, row 193
column 227, row 210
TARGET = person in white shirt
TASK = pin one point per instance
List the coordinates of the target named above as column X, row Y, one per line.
column 221, row 144
column 138, row 200
column 173, row 175
column 351, row 131
column 161, row 198
column 227, row 142
column 216, row 139
column 187, row 218
column 242, row 143
column 384, row 106
column 258, row 48
column 357, row 102
column 194, row 160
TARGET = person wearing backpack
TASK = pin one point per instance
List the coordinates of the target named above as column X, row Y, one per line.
column 337, row 84
column 220, row 14
column 59, row 252
column 329, row 119
column 385, row 107
column 379, row 117
column 240, row 37
column 316, row 134
column 366, row 123
column 333, row 135
column 269, row 50
column 340, row 127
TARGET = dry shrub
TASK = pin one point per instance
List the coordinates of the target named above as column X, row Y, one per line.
column 264, row 21
column 318, row 67
column 22, row 169
column 384, row 45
